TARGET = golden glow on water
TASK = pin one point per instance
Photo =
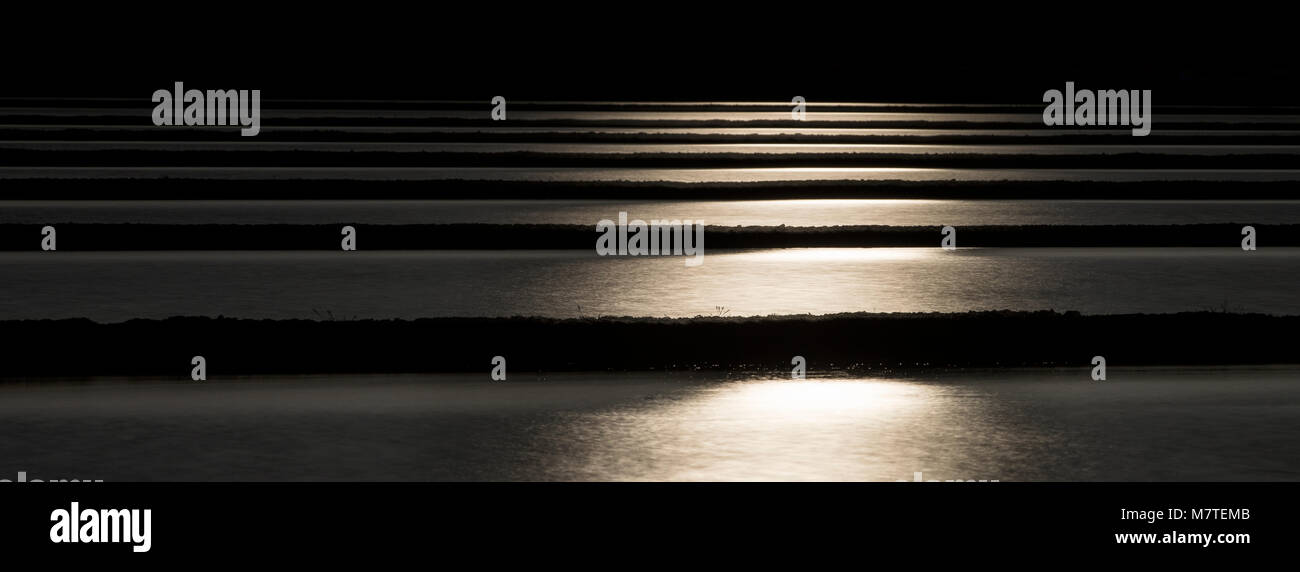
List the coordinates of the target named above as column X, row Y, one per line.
column 856, row 170
column 844, row 429
column 811, row 255
column 802, row 400
column 838, row 203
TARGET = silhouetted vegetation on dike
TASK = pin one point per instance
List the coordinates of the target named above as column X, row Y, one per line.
column 859, row 341
column 104, row 237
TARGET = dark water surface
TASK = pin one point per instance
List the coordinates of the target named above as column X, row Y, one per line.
column 1052, row 425
column 116, row 286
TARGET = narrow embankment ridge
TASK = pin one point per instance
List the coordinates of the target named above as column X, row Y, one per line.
column 861, row 342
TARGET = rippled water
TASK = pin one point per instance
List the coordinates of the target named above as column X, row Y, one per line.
column 563, row 174
column 1053, row 425
column 114, row 286
column 797, row 212
column 681, row 149
column 1032, row 117
column 1028, row 131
